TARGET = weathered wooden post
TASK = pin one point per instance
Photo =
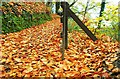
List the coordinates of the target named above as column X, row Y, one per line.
column 65, row 25
column 65, row 29
column 68, row 12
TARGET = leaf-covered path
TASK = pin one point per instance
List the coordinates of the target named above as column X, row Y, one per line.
column 35, row 52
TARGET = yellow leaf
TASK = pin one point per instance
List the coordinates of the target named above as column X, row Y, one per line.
column 44, row 61
column 2, row 68
column 110, row 66
column 96, row 76
column 28, row 70
column 3, row 60
column 85, row 69
column 17, row 59
column 13, row 74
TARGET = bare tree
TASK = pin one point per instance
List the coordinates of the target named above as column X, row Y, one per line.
column 87, row 4
column 101, row 12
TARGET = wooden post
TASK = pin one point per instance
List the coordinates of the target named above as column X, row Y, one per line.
column 65, row 28
column 68, row 12
column 65, row 24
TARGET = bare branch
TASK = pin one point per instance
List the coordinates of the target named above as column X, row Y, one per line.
column 73, row 3
column 86, row 9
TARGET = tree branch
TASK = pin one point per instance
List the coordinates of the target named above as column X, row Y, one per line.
column 73, row 3
column 87, row 9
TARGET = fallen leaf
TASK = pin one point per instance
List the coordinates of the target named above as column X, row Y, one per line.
column 17, row 59
column 29, row 69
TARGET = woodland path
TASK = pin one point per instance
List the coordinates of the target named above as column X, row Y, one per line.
column 35, row 52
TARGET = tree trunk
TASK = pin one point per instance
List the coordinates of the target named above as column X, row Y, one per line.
column 57, row 7
column 119, row 23
column 101, row 12
column 86, row 9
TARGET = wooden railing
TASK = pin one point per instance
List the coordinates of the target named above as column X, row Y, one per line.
column 68, row 12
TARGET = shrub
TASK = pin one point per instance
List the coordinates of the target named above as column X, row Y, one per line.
column 17, row 17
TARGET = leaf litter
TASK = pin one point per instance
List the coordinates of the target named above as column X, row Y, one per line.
column 35, row 52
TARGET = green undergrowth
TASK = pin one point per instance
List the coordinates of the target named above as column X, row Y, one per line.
column 16, row 18
column 13, row 23
column 109, row 31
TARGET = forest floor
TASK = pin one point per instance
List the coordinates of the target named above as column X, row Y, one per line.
column 35, row 52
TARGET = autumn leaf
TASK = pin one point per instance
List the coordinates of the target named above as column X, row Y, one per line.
column 35, row 52
column 17, row 59
column 106, row 75
column 29, row 69
column 85, row 69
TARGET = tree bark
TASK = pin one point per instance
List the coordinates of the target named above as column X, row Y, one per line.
column 119, row 23
column 86, row 9
column 57, row 7
column 101, row 12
